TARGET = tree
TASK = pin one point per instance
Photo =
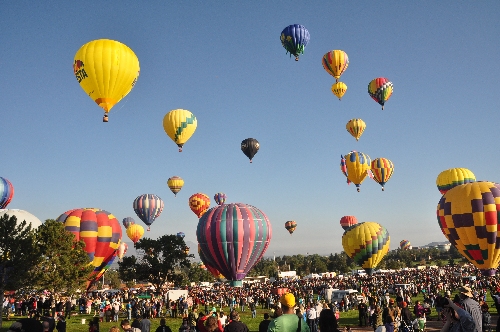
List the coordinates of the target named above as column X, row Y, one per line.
column 196, row 274
column 64, row 264
column 112, row 278
column 158, row 261
column 17, row 255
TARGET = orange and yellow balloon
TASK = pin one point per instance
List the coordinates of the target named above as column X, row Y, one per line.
column 339, row 89
column 107, row 70
column 355, row 127
column 453, row 177
column 382, row 170
column 135, row 232
column 199, row 203
column 175, row 183
column 179, row 125
column 291, row 226
column 356, row 167
column 335, row 63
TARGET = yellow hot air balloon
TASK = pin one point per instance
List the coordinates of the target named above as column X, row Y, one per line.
column 453, row 177
column 175, row 183
column 355, row 166
column 339, row 89
column 335, row 63
column 135, row 232
column 179, row 125
column 107, row 70
column 356, row 127
column 366, row 243
column 468, row 217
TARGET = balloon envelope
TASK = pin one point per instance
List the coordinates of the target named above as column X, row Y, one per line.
column 122, row 250
column 175, row 183
column 22, row 215
column 405, row 245
column 335, row 63
column 233, row 238
column 380, row 89
column 102, row 61
column 199, row 203
column 339, row 89
column 181, row 235
column 355, row 127
column 100, row 231
column 135, row 232
column 355, row 166
column 148, row 207
column 366, row 243
column 209, row 267
column 250, row 147
column 453, row 177
column 382, row 170
column 6, row 192
column 220, row 198
column 290, row 226
column 294, row 38
column 179, row 125
column 127, row 222
column 468, row 217
column 348, row 221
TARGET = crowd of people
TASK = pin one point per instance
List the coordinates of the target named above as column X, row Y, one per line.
column 383, row 302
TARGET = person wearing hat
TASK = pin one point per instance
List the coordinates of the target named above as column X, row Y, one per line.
column 406, row 318
column 471, row 306
column 234, row 324
column 289, row 321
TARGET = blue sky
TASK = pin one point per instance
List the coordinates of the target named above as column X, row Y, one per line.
column 224, row 62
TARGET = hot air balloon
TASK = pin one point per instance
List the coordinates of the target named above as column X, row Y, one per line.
column 335, row 63
column 175, row 184
column 135, row 232
column 122, row 250
column 199, row 203
column 405, row 245
column 366, row 243
column 181, row 235
column 127, row 222
column 453, row 177
column 22, row 215
column 294, row 39
column 234, row 237
column 107, row 71
column 210, row 268
column 250, row 147
column 355, row 127
column 348, row 221
column 355, row 166
column 468, row 217
column 339, row 89
column 148, row 207
column 290, row 226
column 382, row 170
column 6, row 192
column 220, row 198
column 380, row 89
column 100, row 231
column 179, row 125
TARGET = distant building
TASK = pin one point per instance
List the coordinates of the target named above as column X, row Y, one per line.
column 443, row 247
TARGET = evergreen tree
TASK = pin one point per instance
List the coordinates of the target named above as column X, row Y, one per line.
column 17, row 255
column 64, row 264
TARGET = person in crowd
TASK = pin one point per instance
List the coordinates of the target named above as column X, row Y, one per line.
column 288, row 321
column 457, row 319
column 263, row 325
column 209, row 323
column 471, row 306
column 234, row 324
column 145, row 323
column 61, row 323
column 362, row 313
column 163, row 326
column 126, row 327
column 327, row 321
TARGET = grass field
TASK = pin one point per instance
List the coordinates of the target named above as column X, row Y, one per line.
column 75, row 323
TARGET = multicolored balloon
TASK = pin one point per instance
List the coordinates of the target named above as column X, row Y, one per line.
column 181, row 235
column 135, row 232
column 294, row 39
column 366, row 243
column 234, row 237
column 100, row 62
column 175, row 183
column 199, row 203
column 468, row 215
column 100, row 231
column 380, row 89
column 355, row 166
column 453, row 177
column 250, row 147
column 127, row 222
column 405, row 245
column 179, row 125
column 335, row 63
column 148, row 207
column 122, row 250
column 290, row 226
column 355, row 127
column 339, row 89
column 348, row 221
column 209, row 267
column 6, row 192
column 382, row 170
column 220, row 198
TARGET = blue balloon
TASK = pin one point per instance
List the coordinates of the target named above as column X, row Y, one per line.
column 294, row 39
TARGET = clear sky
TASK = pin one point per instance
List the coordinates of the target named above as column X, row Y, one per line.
column 223, row 61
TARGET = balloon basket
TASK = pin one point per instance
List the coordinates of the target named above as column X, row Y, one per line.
column 105, row 118
column 236, row 283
